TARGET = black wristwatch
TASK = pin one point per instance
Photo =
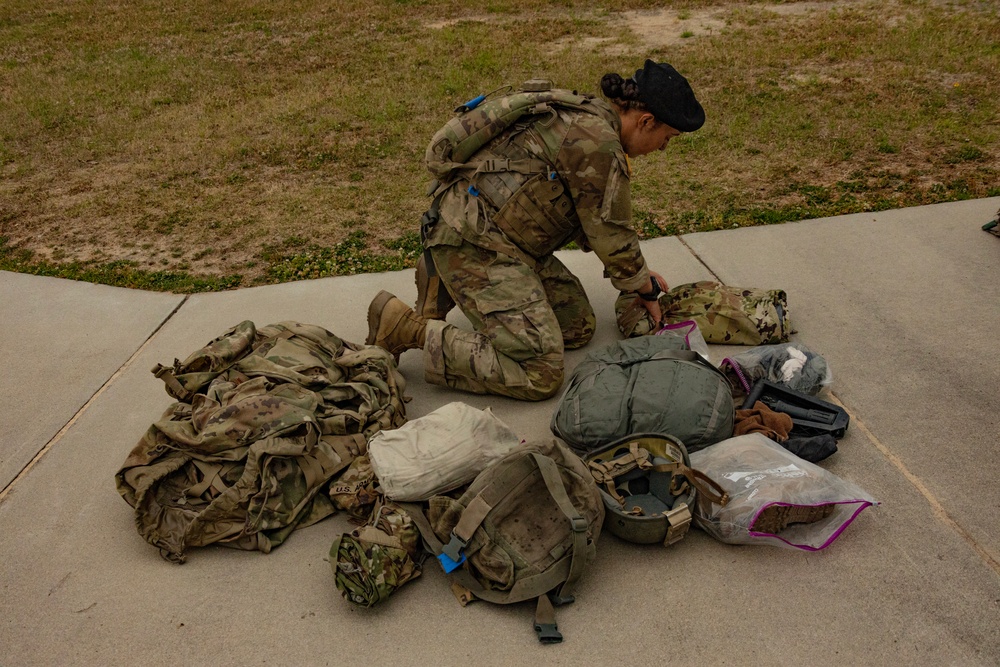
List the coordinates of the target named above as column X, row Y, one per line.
column 653, row 294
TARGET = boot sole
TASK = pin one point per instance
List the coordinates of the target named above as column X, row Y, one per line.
column 374, row 313
column 776, row 518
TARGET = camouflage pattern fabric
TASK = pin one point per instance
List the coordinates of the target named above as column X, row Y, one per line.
column 266, row 418
column 725, row 315
column 372, row 562
column 582, row 151
column 356, row 490
column 497, row 229
column 524, row 317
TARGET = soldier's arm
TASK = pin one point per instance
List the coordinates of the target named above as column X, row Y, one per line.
column 592, row 163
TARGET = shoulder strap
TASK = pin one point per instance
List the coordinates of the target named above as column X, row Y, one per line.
column 686, row 355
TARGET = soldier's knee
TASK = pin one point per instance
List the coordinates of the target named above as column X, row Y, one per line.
column 578, row 338
column 545, row 378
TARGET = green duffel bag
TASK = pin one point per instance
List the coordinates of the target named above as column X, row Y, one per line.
column 644, row 385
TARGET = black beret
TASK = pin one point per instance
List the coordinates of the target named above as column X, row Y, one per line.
column 669, row 97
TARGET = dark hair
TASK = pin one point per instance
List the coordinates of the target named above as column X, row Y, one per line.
column 623, row 93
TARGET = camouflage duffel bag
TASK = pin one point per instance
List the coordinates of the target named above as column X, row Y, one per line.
column 725, row 315
column 265, row 419
column 526, row 528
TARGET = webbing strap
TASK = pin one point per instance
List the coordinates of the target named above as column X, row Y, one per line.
column 678, row 520
column 210, row 478
column 166, row 374
column 373, row 535
column 416, row 512
column 523, row 166
column 545, row 621
column 708, row 487
column 578, row 523
column 311, row 469
column 686, row 355
column 472, row 517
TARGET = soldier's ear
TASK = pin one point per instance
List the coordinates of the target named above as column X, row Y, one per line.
column 647, row 121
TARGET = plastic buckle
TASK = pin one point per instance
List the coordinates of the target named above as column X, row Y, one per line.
column 553, row 175
column 473, row 190
column 548, row 633
column 451, row 556
column 579, row 524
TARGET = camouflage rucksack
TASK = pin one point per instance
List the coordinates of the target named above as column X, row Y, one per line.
column 265, row 419
column 479, row 120
column 526, row 528
column 725, row 315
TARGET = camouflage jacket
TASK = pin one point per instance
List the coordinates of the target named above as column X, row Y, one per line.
column 265, row 419
column 584, row 196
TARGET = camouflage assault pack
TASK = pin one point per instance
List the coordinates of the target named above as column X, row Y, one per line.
column 725, row 315
column 480, row 120
column 527, row 199
column 264, row 420
column 525, row 529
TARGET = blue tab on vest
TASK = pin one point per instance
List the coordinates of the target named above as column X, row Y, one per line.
column 473, row 191
column 553, row 175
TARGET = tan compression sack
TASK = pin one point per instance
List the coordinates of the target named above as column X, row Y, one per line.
column 438, row 452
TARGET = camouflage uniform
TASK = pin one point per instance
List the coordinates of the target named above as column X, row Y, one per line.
column 493, row 249
column 265, row 419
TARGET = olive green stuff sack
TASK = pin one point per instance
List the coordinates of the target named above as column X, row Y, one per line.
column 265, row 419
column 651, row 384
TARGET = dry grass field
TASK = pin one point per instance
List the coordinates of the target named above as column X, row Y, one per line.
column 192, row 146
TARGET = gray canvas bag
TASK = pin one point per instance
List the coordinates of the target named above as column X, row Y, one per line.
column 650, row 384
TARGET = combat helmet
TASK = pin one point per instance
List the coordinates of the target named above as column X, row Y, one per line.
column 648, row 487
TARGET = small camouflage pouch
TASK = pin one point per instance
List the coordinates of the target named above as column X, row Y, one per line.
column 371, row 562
column 355, row 490
column 725, row 315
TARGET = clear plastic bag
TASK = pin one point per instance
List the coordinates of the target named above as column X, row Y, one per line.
column 774, row 496
column 790, row 364
column 687, row 330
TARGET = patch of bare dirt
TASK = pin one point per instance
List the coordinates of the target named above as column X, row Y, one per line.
column 667, row 27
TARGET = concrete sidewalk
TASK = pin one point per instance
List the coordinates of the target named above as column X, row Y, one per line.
column 902, row 304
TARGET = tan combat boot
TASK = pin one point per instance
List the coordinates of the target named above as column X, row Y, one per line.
column 393, row 326
column 433, row 300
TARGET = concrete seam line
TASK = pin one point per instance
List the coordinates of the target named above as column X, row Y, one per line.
column 700, row 260
column 79, row 413
column 938, row 509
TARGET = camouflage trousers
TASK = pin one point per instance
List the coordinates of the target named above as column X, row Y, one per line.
column 523, row 317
